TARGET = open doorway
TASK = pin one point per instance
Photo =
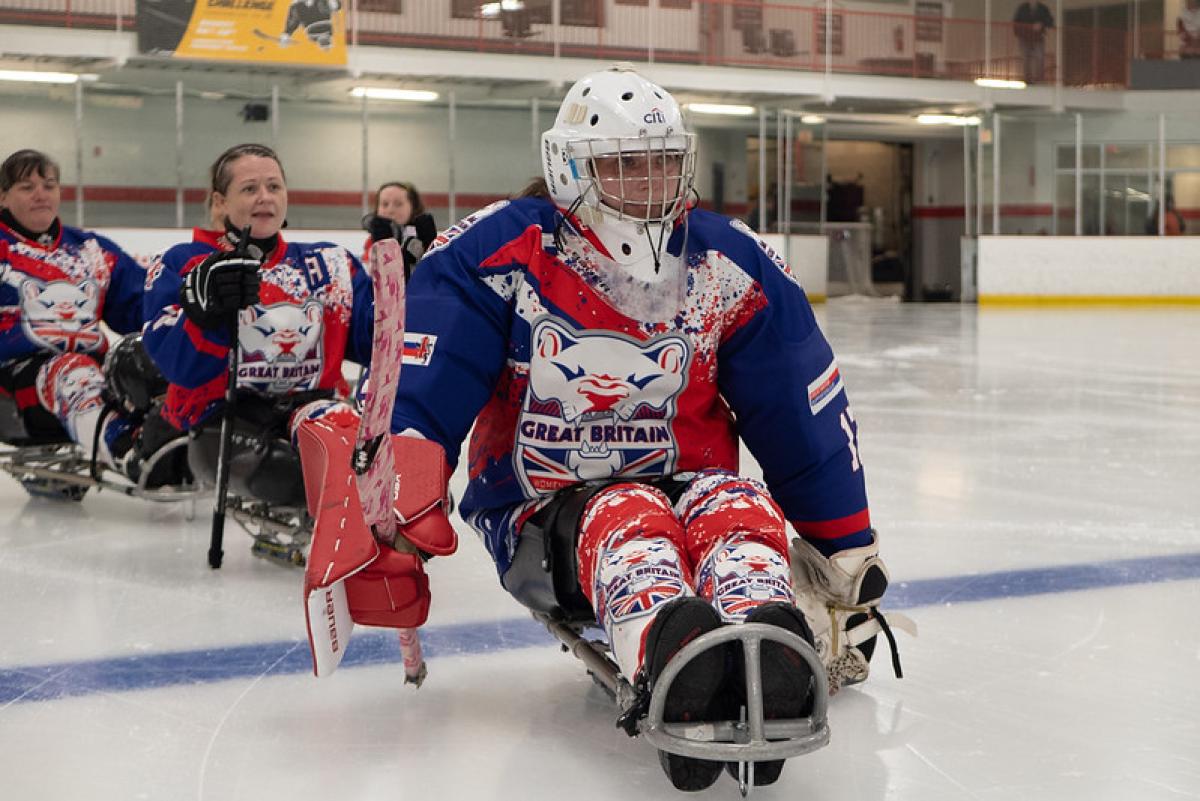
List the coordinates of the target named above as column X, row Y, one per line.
column 871, row 183
column 806, row 184
column 859, row 193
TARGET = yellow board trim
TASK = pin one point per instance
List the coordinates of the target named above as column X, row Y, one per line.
column 816, row 298
column 1089, row 300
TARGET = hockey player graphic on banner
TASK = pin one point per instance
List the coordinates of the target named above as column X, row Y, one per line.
column 599, row 406
column 279, row 31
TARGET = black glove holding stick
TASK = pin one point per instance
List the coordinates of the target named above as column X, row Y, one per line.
column 223, row 284
column 227, row 282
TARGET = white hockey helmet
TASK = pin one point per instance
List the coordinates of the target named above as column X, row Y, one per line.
column 612, row 114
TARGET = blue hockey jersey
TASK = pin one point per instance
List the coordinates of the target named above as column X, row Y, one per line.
column 315, row 308
column 53, row 296
column 522, row 341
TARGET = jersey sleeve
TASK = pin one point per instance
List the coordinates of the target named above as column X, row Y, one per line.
column 362, row 314
column 187, row 354
column 123, row 301
column 781, row 380
column 459, row 314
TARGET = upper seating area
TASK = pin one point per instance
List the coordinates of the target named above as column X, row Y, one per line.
column 927, row 39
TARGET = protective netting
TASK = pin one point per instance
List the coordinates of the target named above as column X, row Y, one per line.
column 849, row 257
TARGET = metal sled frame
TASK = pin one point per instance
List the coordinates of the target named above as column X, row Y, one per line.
column 61, row 470
column 746, row 741
column 63, row 467
column 281, row 534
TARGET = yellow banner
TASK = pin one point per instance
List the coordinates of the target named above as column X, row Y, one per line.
column 276, row 31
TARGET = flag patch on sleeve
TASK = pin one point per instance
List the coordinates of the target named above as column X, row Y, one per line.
column 418, row 349
column 825, row 388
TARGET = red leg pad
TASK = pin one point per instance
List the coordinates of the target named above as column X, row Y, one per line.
column 718, row 504
column 392, row 591
column 342, row 542
column 620, row 513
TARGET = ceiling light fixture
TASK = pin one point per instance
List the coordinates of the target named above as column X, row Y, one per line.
column 490, row 10
column 29, row 76
column 999, row 83
column 383, row 93
column 721, row 109
column 946, row 119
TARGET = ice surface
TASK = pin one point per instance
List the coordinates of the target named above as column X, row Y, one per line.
column 1034, row 477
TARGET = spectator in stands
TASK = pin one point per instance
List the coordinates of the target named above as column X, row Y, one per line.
column 1188, row 26
column 1030, row 23
column 1173, row 224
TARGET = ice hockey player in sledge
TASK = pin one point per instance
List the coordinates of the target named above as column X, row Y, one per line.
column 610, row 342
column 57, row 284
column 301, row 309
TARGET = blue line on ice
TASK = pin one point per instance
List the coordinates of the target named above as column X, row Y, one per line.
column 146, row 672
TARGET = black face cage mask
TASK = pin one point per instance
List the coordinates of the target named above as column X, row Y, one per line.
column 664, row 180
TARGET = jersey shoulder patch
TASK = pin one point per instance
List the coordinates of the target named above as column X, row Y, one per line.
column 772, row 255
column 465, row 224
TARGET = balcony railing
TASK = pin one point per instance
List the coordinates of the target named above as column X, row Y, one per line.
column 1160, row 43
column 858, row 39
column 108, row 15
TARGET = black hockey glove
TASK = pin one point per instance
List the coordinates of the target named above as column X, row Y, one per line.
column 426, row 229
column 214, row 292
column 417, row 238
column 380, row 228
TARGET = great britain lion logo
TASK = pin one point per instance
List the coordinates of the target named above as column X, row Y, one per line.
column 599, row 404
column 281, row 346
column 61, row 315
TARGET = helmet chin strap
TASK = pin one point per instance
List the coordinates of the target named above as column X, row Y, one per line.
column 628, row 241
column 562, row 218
column 656, row 249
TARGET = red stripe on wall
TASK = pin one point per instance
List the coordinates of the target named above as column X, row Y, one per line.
column 320, row 197
column 731, row 209
column 296, row 197
column 465, row 201
column 133, row 194
column 938, row 212
column 305, row 197
column 1010, row 210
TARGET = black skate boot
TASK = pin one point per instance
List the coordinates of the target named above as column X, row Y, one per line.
column 695, row 690
column 787, row 680
column 158, row 456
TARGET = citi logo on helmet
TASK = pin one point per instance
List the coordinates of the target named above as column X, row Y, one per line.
column 654, row 115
